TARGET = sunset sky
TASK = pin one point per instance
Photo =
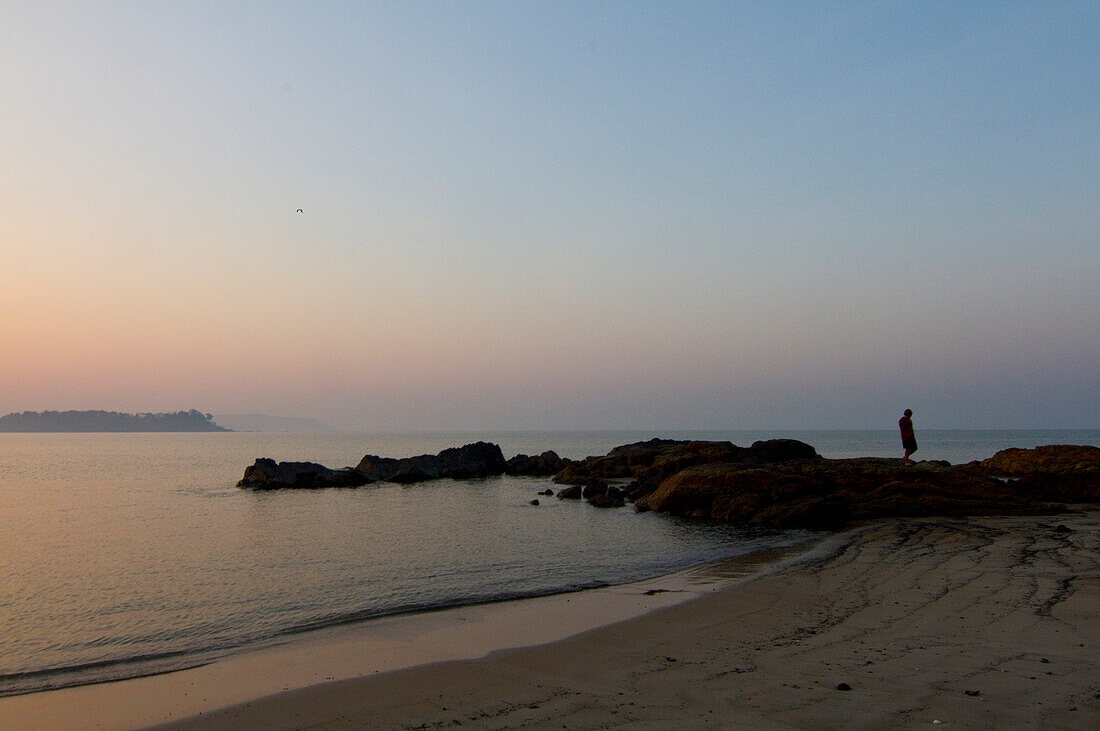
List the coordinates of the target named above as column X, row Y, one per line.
column 554, row 215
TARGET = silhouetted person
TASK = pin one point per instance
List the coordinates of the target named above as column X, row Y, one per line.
column 908, row 437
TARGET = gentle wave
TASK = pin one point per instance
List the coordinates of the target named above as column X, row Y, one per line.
column 99, row 671
column 122, row 668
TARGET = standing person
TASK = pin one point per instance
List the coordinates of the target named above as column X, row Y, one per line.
column 908, row 437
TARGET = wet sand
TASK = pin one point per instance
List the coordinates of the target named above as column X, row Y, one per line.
column 971, row 623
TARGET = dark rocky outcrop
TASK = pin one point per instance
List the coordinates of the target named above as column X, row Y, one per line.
column 480, row 459
column 659, row 458
column 779, row 450
column 1058, row 459
column 631, row 460
column 648, row 464
column 266, row 474
column 544, row 465
column 379, row 468
column 1057, row 472
column 821, row 493
column 775, row 483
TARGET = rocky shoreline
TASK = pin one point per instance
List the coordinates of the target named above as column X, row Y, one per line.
column 780, row 483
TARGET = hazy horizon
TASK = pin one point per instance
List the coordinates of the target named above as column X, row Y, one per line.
column 554, row 216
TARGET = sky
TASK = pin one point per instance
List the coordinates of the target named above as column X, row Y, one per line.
column 554, row 215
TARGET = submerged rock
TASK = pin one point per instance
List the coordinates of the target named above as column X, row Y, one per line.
column 573, row 492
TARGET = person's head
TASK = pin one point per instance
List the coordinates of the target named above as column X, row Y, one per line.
column 908, row 412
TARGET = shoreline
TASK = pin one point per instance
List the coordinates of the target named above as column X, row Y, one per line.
column 987, row 622
column 357, row 650
column 973, row 622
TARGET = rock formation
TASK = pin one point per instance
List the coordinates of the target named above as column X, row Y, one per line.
column 823, row 493
column 1056, row 472
column 1050, row 459
column 647, row 464
column 544, row 465
column 777, row 483
column 266, row 474
column 479, row 459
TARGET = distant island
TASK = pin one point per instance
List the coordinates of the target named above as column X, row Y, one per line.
column 108, row 421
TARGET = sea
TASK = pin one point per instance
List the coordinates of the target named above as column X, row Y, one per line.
column 130, row 554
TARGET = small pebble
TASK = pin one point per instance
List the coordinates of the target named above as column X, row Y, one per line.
column 843, row 686
column 972, row 692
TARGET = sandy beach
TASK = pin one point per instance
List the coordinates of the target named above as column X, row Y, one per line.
column 972, row 623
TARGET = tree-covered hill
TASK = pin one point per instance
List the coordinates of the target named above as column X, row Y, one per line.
column 107, row 421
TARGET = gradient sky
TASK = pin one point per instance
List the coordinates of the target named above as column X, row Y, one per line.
column 542, row 215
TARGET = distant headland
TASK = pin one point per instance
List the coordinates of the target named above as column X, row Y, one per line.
column 108, row 421
column 267, row 423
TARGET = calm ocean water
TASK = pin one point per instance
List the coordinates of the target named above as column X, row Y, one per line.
column 126, row 554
